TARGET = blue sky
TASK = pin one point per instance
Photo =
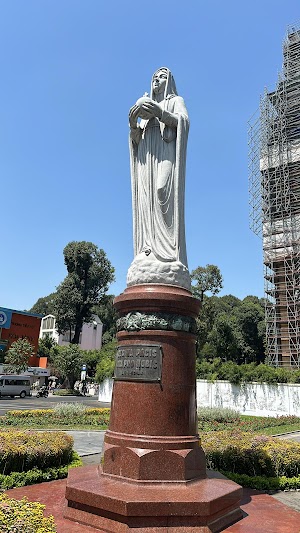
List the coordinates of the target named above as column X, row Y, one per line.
column 70, row 71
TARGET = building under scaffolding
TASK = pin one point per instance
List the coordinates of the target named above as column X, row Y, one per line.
column 274, row 139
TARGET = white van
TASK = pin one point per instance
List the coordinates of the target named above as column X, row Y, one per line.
column 14, row 385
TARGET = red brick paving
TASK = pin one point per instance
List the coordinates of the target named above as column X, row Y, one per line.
column 263, row 514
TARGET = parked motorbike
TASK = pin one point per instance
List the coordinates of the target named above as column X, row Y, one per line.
column 42, row 393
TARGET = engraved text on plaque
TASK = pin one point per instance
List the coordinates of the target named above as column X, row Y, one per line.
column 138, row 362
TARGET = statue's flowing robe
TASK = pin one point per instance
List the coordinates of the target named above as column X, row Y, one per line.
column 158, row 160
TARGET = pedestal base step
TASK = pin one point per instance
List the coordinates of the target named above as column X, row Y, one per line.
column 112, row 506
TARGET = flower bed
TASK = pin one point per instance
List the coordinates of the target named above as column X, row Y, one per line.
column 63, row 415
column 36, row 475
column 21, row 516
column 23, row 450
column 251, row 455
column 244, row 423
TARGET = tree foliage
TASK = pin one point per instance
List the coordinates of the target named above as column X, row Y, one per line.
column 106, row 365
column 108, row 316
column 68, row 360
column 46, row 345
column 18, row 355
column 231, row 329
column 44, row 305
column 91, row 359
column 207, row 279
column 245, row 373
column 88, row 278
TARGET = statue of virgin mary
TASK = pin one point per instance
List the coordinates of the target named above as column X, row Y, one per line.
column 159, row 128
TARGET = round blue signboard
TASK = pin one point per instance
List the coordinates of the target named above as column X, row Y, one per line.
column 3, row 318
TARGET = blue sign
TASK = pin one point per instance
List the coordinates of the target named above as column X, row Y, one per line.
column 5, row 318
column 83, row 367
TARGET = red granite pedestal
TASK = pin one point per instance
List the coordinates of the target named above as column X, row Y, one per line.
column 154, row 476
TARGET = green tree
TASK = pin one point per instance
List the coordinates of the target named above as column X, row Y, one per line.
column 205, row 321
column 68, row 360
column 224, row 338
column 251, row 326
column 88, row 278
column 18, row 355
column 46, row 344
column 106, row 365
column 44, row 305
column 91, row 359
column 207, row 279
column 231, row 329
column 108, row 316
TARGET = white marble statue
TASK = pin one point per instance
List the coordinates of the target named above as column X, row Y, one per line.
column 158, row 156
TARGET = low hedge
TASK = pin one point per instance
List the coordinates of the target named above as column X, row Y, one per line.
column 62, row 415
column 22, row 516
column 36, row 475
column 23, row 450
column 66, row 392
column 263, row 482
column 258, row 455
column 245, row 373
column 221, row 415
column 218, row 419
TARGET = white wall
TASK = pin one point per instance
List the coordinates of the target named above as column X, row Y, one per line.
column 259, row 399
column 91, row 338
column 105, row 390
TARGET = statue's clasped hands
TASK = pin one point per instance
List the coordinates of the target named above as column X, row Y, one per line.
column 152, row 108
column 146, row 111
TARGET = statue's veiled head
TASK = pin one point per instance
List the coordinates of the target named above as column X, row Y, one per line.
column 163, row 82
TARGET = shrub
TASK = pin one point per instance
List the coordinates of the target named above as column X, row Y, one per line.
column 69, row 410
column 265, row 483
column 105, row 367
column 65, row 414
column 21, row 516
column 256, row 455
column 218, row 414
column 36, row 475
column 23, row 450
column 246, row 423
column 66, row 392
column 231, row 371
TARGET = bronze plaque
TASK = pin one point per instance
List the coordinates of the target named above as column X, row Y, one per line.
column 138, row 362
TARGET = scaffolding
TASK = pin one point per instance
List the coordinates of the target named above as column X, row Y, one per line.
column 274, row 186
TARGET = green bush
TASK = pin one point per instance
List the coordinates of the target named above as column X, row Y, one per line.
column 66, row 392
column 257, row 455
column 21, row 516
column 63, row 416
column 218, row 414
column 246, row 373
column 24, row 450
column 36, row 475
column 265, row 483
column 69, row 410
column 216, row 422
column 105, row 367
